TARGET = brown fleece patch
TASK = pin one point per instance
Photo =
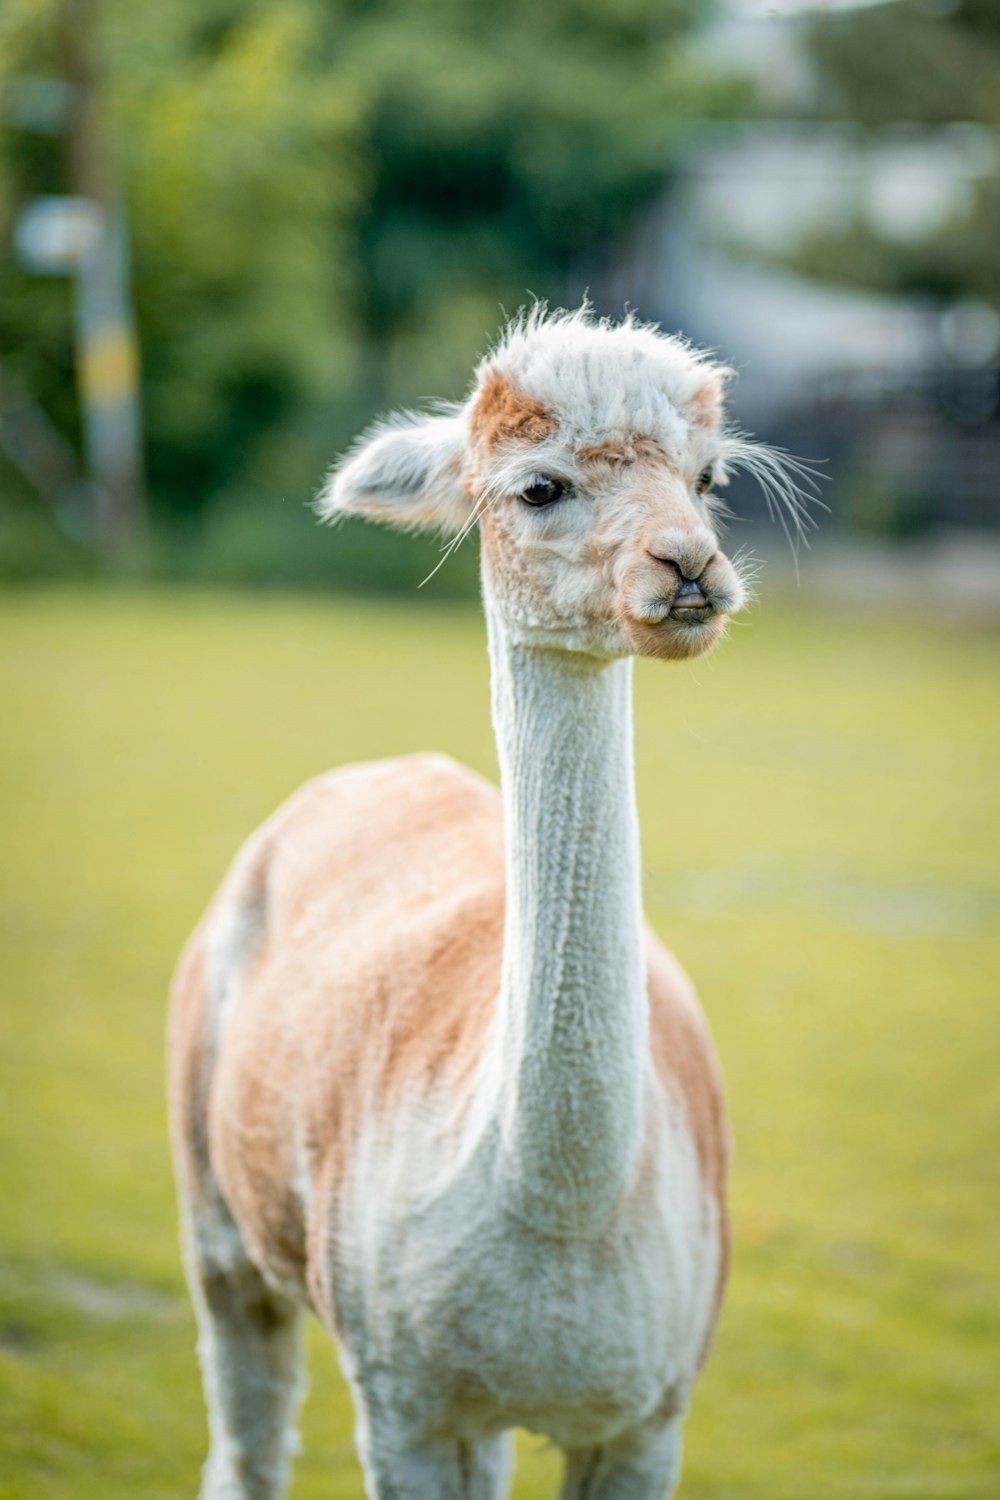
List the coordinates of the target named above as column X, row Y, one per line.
column 705, row 405
column 685, row 1060
column 626, row 448
column 194, row 1066
column 377, row 973
column 502, row 412
column 189, row 1065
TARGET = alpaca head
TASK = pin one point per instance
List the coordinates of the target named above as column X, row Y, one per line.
column 587, row 453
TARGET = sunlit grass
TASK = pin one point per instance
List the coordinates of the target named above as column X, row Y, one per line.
column 821, row 827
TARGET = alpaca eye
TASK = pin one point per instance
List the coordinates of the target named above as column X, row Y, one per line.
column 543, row 492
column 704, row 480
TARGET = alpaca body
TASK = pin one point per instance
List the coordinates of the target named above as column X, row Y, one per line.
column 373, row 1165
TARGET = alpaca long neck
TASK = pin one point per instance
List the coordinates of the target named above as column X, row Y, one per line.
column 572, row 1021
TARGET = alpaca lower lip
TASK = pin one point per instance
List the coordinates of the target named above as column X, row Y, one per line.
column 664, row 612
column 691, row 614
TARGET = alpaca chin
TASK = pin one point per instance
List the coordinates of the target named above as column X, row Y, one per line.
column 675, row 640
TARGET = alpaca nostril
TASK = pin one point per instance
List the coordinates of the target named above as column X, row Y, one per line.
column 671, row 562
column 687, row 551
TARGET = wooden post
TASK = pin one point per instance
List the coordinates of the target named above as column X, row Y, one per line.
column 106, row 342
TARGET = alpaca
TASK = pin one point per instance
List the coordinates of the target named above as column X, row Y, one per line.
column 431, row 1076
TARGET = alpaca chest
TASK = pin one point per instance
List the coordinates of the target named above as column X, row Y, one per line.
column 498, row 1326
column 563, row 1341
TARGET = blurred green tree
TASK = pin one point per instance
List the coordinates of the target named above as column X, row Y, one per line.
column 331, row 203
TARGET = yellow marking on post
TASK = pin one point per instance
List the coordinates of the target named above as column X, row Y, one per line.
column 110, row 367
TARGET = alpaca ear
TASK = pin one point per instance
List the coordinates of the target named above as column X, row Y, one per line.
column 707, row 400
column 406, row 471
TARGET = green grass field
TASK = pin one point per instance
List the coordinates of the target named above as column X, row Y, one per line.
column 821, row 832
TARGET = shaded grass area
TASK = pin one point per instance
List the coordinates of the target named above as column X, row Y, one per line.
column 820, row 824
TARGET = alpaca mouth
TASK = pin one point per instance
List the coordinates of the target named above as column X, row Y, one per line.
column 694, row 604
column 690, row 610
column 687, row 613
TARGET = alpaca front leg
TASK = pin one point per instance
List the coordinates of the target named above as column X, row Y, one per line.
column 399, row 1465
column 643, row 1466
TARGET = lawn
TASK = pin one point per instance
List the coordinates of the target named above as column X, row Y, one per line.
column 821, row 830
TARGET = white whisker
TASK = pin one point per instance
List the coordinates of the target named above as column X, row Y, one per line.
column 456, row 541
column 789, row 486
column 747, row 569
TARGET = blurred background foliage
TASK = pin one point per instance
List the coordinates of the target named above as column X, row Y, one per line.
column 331, row 205
column 929, row 65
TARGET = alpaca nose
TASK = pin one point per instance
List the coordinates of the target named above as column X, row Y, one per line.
column 688, row 553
